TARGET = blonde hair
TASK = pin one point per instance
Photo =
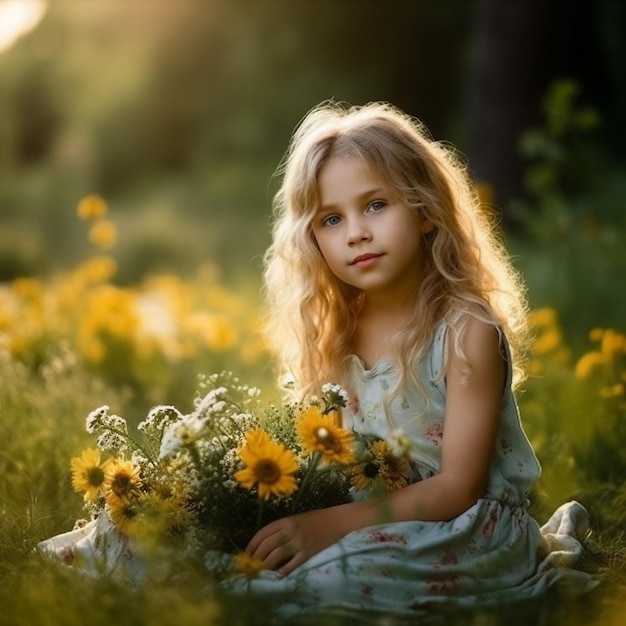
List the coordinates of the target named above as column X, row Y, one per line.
column 312, row 315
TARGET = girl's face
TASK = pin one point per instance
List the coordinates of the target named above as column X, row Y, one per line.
column 367, row 234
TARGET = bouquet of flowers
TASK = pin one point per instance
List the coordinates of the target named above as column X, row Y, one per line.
column 208, row 480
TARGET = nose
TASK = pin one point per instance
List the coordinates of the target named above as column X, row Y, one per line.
column 357, row 231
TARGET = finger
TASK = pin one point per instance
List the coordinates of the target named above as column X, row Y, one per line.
column 298, row 559
column 277, row 557
column 262, row 535
column 278, row 540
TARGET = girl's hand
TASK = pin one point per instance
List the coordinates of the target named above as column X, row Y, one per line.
column 286, row 543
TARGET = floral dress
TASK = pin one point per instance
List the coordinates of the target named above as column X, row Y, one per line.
column 494, row 552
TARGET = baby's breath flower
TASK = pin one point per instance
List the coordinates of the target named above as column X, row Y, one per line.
column 95, row 419
column 336, row 396
column 179, row 435
column 159, row 418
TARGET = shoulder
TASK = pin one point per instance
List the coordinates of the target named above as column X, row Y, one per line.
column 475, row 347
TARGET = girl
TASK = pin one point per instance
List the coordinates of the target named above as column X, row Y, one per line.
column 384, row 275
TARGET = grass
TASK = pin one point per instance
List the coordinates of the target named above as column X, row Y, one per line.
column 43, row 410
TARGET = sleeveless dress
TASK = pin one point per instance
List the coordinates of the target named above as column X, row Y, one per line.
column 494, row 552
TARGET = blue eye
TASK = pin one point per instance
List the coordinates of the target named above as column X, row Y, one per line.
column 331, row 220
column 377, row 205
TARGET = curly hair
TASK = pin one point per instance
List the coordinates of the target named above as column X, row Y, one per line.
column 312, row 315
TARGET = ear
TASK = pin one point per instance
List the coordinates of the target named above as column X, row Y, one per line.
column 427, row 224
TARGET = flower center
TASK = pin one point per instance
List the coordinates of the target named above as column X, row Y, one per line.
column 325, row 438
column 370, row 470
column 95, row 476
column 267, row 471
column 121, row 484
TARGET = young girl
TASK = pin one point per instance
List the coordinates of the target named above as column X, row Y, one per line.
column 385, row 275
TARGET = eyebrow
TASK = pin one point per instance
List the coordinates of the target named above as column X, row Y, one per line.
column 360, row 198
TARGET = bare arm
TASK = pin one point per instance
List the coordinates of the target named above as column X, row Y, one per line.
column 473, row 405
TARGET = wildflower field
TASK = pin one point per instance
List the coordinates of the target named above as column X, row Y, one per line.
column 77, row 340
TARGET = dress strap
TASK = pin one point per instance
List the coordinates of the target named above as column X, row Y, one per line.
column 438, row 353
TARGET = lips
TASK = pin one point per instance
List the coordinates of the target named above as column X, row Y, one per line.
column 362, row 258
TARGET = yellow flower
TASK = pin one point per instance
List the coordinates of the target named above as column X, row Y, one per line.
column 123, row 511
column 548, row 341
column 100, row 269
column 92, row 207
column 268, row 464
column 157, row 517
column 122, row 479
column 103, row 234
column 88, row 474
column 320, row 433
column 247, row 565
column 364, row 474
column 540, row 318
column 614, row 391
column 613, row 343
column 393, row 471
column 590, row 363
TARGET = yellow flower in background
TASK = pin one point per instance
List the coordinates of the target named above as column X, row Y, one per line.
column 122, row 479
column 548, row 341
column 217, row 331
column 268, row 464
column 614, row 391
column 589, row 364
column 92, row 207
column 543, row 317
column 320, row 433
column 612, row 343
column 88, row 473
column 103, row 234
column 595, row 334
column 99, row 269
column 247, row 565
column 27, row 288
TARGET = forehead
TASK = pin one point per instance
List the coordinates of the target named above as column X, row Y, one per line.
column 341, row 178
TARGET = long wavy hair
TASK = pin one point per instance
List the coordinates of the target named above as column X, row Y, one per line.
column 312, row 315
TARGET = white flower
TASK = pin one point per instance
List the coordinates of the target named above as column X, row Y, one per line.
column 179, row 435
column 95, row 419
column 159, row 418
column 399, row 443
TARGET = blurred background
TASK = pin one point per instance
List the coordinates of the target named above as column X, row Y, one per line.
column 177, row 113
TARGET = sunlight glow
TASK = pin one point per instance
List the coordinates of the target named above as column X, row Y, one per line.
column 18, row 17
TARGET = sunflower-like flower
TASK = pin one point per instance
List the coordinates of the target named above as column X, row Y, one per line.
column 392, row 471
column 123, row 511
column 122, row 479
column 320, row 433
column 88, row 473
column 158, row 516
column 247, row 565
column 268, row 464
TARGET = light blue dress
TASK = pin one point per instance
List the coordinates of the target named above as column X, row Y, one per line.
column 494, row 552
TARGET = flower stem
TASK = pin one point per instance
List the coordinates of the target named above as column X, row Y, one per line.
column 315, row 461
